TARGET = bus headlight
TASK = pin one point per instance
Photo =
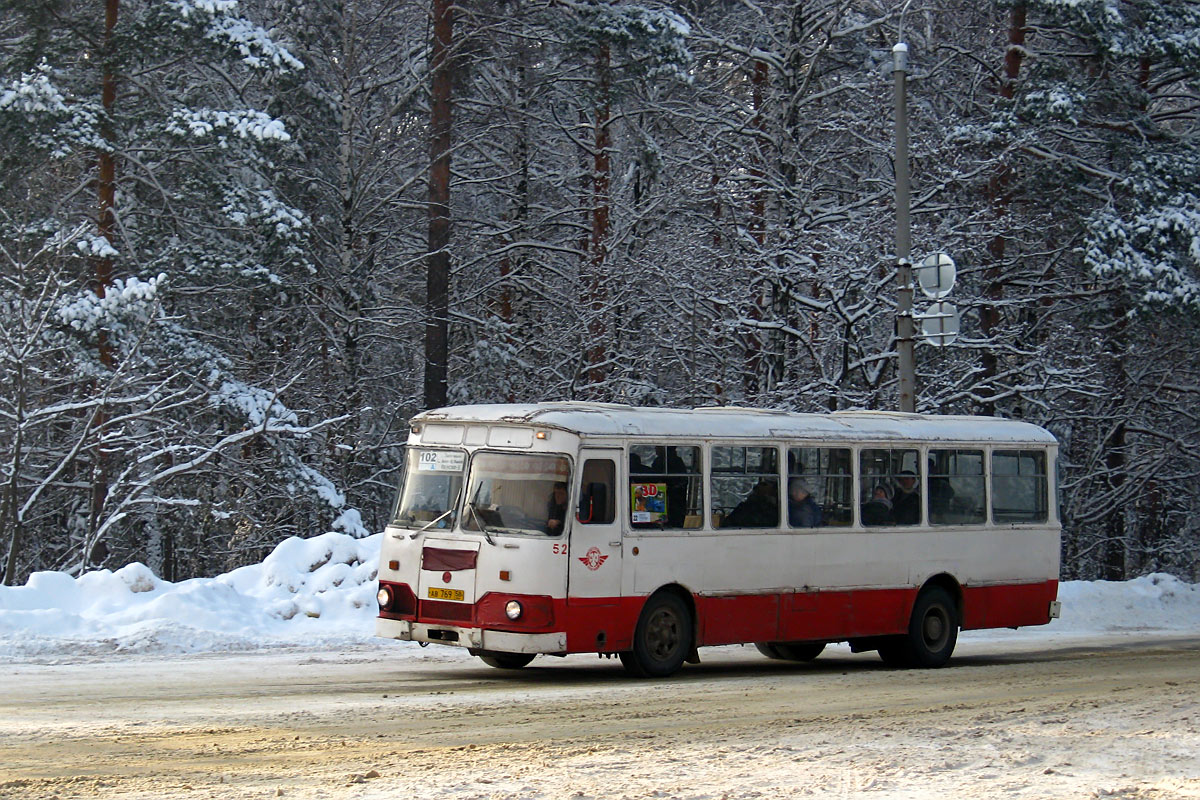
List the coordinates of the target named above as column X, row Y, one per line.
column 384, row 596
column 512, row 610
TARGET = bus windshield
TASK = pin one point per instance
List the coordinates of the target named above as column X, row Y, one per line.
column 517, row 493
column 430, row 488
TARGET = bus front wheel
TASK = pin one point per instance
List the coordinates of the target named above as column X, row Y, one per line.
column 932, row 633
column 505, row 660
column 662, row 639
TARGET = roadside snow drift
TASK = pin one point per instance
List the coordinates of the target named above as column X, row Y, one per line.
column 321, row 591
column 307, row 591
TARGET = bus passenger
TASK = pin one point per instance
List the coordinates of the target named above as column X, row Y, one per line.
column 759, row 510
column 556, row 509
column 803, row 511
column 940, row 494
column 676, row 489
column 906, row 507
column 877, row 510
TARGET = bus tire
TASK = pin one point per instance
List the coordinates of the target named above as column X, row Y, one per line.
column 768, row 649
column 506, row 660
column 932, row 633
column 662, row 639
column 790, row 651
column 894, row 653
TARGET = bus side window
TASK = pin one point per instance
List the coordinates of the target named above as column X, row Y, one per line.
column 597, row 496
column 890, row 490
column 744, row 486
column 824, row 474
column 665, row 486
column 1019, row 486
column 956, row 487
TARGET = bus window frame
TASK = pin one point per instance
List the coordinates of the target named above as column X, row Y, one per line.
column 851, row 448
column 625, row 478
column 780, row 494
column 575, row 493
column 455, row 511
column 856, row 525
column 624, row 509
column 984, row 475
column 921, row 448
column 572, row 499
column 1049, row 484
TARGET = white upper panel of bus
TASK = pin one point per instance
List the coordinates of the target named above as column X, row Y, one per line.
column 605, row 420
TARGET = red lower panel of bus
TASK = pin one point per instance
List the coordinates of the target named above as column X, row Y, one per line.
column 607, row 624
column 1008, row 606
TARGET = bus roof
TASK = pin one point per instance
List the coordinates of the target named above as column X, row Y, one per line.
column 609, row 419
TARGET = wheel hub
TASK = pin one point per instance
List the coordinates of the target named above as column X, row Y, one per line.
column 935, row 629
column 662, row 633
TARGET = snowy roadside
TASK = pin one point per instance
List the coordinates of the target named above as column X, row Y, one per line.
column 320, row 593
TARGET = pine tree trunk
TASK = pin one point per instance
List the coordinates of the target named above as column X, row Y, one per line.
column 437, row 279
column 10, row 515
column 1116, row 459
column 999, row 198
column 107, row 167
column 597, row 350
column 753, row 344
column 512, row 265
column 106, row 189
column 1116, row 543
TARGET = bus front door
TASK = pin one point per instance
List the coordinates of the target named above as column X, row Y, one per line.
column 594, row 557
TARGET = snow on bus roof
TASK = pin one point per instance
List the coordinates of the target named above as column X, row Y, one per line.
column 611, row 419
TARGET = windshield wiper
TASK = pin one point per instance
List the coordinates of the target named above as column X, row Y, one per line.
column 482, row 525
column 431, row 523
column 479, row 520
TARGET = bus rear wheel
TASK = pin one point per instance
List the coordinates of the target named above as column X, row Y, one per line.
column 505, row 660
column 662, row 639
column 790, row 651
column 932, row 633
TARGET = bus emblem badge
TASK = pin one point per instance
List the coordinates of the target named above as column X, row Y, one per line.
column 593, row 560
column 445, row 577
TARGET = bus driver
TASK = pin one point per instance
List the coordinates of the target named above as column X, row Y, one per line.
column 556, row 509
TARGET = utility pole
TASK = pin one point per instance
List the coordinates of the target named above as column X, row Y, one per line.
column 905, row 331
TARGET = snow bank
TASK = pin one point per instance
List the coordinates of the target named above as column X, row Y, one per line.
column 1157, row 602
column 321, row 592
column 308, row 591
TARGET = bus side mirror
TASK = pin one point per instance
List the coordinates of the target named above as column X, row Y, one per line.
column 594, row 497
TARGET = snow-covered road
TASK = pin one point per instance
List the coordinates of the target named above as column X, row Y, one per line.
column 267, row 682
column 1107, row 716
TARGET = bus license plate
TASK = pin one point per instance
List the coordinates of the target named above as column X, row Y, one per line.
column 446, row 594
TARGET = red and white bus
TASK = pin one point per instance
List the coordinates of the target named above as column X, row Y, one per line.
column 712, row 526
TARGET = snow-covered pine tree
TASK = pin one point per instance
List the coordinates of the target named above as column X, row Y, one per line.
column 1092, row 266
column 358, row 121
column 164, row 256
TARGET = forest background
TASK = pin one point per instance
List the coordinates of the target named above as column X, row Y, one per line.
column 242, row 242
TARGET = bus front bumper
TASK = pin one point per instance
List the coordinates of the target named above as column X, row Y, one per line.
column 474, row 638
